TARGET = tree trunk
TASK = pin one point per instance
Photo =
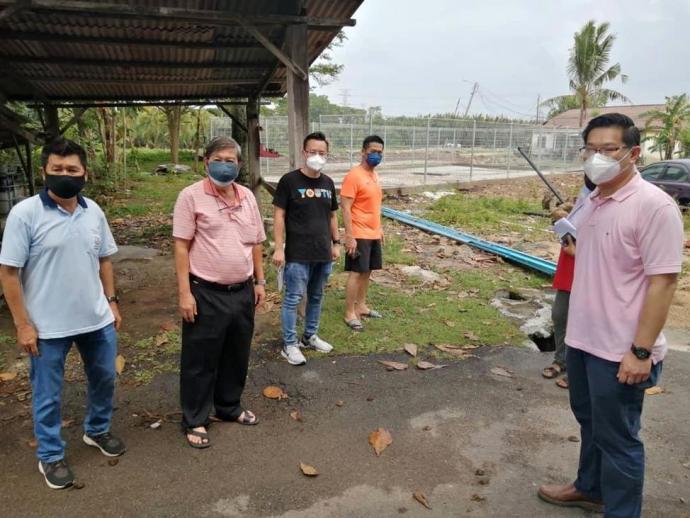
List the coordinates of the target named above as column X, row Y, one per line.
column 174, row 116
column 106, row 126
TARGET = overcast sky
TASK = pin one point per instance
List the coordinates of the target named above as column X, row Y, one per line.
column 416, row 57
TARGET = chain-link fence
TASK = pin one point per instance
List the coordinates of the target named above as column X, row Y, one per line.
column 426, row 151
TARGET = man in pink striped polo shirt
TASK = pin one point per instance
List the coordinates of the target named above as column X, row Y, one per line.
column 218, row 233
column 629, row 254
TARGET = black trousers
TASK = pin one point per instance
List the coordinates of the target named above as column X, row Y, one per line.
column 215, row 354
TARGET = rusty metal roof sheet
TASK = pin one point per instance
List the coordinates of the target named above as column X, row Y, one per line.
column 79, row 50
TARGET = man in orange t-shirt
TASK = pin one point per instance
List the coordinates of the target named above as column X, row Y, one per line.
column 361, row 198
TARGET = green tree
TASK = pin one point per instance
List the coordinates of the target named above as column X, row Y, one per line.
column 324, row 71
column 589, row 70
column 670, row 123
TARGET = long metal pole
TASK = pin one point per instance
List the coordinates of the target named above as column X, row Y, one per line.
column 541, row 175
column 510, row 145
column 426, row 150
column 474, row 135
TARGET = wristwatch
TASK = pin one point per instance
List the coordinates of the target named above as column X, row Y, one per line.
column 114, row 299
column 640, row 352
column 260, row 282
column 336, row 241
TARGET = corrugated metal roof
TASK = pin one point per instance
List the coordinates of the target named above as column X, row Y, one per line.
column 90, row 55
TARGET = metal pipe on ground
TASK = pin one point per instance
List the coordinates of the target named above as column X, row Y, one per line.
column 521, row 258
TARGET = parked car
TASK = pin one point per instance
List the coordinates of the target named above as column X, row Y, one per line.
column 673, row 176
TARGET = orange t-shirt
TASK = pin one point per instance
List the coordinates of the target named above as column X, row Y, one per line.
column 363, row 186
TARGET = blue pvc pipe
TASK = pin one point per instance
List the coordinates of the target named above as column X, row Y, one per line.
column 530, row 261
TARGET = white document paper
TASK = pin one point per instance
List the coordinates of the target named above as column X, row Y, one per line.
column 563, row 227
column 279, row 278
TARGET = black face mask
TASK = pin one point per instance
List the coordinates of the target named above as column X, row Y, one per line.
column 65, row 186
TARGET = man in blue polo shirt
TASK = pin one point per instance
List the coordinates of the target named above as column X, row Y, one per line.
column 57, row 278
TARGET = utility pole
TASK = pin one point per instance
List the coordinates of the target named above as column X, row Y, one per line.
column 469, row 103
column 457, row 107
column 538, row 107
column 345, row 93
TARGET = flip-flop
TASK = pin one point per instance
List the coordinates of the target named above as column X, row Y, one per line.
column 355, row 324
column 372, row 314
column 552, row 371
column 563, row 383
column 247, row 418
column 201, row 435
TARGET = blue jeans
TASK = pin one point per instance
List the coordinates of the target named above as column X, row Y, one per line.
column 611, row 452
column 298, row 279
column 98, row 350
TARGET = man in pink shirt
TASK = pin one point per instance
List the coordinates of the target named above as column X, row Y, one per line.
column 629, row 254
column 218, row 233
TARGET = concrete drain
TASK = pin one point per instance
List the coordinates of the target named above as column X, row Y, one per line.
column 531, row 309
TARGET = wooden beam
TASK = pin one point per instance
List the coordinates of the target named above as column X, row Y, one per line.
column 134, row 83
column 52, row 127
column 78, row 112
column 218, row 43
column 298, row 93
column 235, row 120
column 191, row 16
column 79, row 62
column 254, row 147
column 282, row 57
column 10, row 11
column 136, row 104
column 17, row 129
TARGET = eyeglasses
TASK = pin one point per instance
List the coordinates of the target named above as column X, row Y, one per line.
column 323, row 154
column 587, row 151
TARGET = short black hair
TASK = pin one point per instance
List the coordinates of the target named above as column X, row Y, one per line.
column 62, row 147
column 372, row 139
column 317, row 135
column 631, row 134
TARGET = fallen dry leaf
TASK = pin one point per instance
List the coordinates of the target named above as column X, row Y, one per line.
column 393, row 366
column 296, row 415
column 454, row 350
column 427, row 428
column 687, row 465
column 113, row 462
column 340, row 402
column 653, row 391
column 422, row 499
column 428, row 365
column 273, row 392
column 308, row 470
column 410, row 349
column 168, row 325
column 380, row 439
column 66, row 423
column 573, row 438
column 450, row 323
column 7, row 376
column 120, row 364
column 471, row 336
column 161, row 340
column 477, row 498
column 500, row 371
column 32, row 443
column 78, row 485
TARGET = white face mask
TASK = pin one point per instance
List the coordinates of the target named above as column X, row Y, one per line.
column 316, row 162
column 601, row 168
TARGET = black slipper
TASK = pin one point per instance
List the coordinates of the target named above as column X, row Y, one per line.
column 201, row 435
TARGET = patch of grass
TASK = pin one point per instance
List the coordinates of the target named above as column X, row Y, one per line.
column 152, row 357
column 430, row 316
column 486, row 214
column 393, row 251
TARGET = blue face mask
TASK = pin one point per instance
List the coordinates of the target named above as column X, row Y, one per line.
column 223, row 173
column 374, row 159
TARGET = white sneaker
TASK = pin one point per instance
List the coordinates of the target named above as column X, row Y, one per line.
column 315, row 342
column 293, row 355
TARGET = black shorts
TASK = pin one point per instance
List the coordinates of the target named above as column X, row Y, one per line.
column 368, row 257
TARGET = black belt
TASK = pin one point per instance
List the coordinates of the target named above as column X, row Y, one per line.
column 219, row 287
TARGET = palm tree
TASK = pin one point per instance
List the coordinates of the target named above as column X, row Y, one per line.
column 673, row 121
column 589, row 70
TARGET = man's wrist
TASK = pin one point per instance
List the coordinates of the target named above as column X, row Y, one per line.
column 641, row 353
column 260, row 282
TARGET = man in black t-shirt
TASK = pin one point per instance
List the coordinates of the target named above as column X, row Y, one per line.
column 305, row 213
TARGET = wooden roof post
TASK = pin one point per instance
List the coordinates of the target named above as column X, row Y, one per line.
column 253, row 146
column 297, row 92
